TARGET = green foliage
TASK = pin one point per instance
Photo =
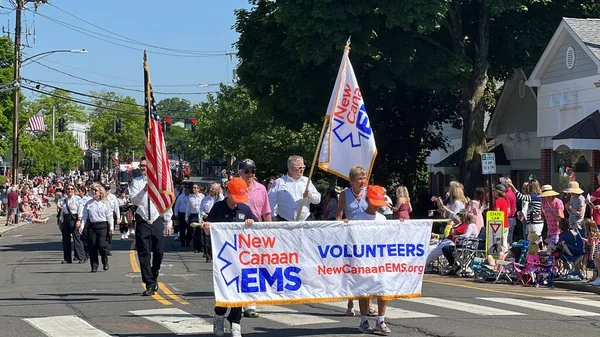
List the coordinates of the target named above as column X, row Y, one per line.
column 64, row 152
column 6, row 104
column 174, row 107
column 101, row 118
column 69, row 110
column 178, row 142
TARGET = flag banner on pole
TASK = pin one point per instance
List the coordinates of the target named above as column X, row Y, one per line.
column 36, row 122
column 312, row 262
column 349, row 140
column 160, row 181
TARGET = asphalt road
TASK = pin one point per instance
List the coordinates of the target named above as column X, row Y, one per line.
column 40, row 296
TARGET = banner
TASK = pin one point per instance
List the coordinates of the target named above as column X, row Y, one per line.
column 349, row 140
column 311, row 262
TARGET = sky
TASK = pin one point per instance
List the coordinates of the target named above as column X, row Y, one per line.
column 203, row 27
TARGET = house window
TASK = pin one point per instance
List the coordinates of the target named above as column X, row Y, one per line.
column 522, row 88
column 570, row 58
column 572, row 165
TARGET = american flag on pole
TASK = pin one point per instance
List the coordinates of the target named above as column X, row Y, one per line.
column 36, row 122
column 160, row 182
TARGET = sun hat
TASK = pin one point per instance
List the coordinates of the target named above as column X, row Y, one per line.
column 547, row 191
column 376, row 196
column 574, row 188
column 238, row 190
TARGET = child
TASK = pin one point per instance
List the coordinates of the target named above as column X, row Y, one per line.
column 592, row 249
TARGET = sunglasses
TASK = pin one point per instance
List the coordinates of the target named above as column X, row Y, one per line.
column 70, row 188
column 299, row 167
column 96, row 190
column 250, row 171
column 143, row 165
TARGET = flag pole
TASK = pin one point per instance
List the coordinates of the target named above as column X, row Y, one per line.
column 315, row 157
column 148, row 109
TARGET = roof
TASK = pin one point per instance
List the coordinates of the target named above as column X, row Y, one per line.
column 456, row 157
column 588, row 31
column 586, row 34
column 587, row 128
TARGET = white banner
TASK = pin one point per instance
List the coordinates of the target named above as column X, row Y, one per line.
column 349, row 140
column 309, row 262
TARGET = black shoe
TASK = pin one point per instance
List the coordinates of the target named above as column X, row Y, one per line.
column 150, row 291
column 63, row 262
column 108, row 254
column 94, row 270
column 105, row 266
column 82, row 261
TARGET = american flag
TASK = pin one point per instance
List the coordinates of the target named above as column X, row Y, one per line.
column 160, row 182
column 36, row 122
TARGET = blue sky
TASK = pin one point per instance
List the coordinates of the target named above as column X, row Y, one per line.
column 198, row 25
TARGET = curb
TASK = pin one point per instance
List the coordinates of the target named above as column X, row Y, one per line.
column 10, row 228
column 577, row 286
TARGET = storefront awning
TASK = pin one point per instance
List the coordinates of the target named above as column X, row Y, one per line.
column 455, row 158
column 583, row 135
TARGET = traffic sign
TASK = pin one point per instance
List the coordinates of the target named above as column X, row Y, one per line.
column 488, row 163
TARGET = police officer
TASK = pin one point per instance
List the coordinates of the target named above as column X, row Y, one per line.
column 98, row 217
column 114, row 203
column 150, row 231
column 70, row 217
column 192, row 214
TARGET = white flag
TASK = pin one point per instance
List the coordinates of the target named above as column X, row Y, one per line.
column 349, row 140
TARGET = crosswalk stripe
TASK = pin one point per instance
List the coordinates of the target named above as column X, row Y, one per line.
column 390, row 312
column 576, row 300
column 290, row 316
column 65, row 326
column 554, row 309
column 461, row 306
column 176, row 320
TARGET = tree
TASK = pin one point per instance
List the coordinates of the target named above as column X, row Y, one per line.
column 64, row 153
column 290, row 53
column 63, row 107
column 112, row 106
column 6, row 104
column 177, row 142
column 175, row 107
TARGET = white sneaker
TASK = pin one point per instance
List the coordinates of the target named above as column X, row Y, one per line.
column 236, row 330
column 596, row 282
column 123, row 237
column 218, row 325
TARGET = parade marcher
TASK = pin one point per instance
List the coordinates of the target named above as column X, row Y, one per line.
column 150, row 231
column 233, row 209
column 214, row 195
column 287, row 193
column 375, row 197
column 185, row 233
column 258, row 201
column 124, row 205
column 71, row 219
column 112, row 199
column 192, row 215
column 98, row 218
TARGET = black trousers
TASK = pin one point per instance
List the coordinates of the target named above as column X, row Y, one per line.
column 149, row 243
column 185, row 231
column 97, row 234
column 197, row 236
column 448, row 252
column 69, row 230
column 235, row 314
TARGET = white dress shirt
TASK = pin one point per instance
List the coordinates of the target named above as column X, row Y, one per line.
column 99, row 211
column 139, row 197
column 74, row 204
column 286, row 194
column 181, row 203
column 114, row 202
column 193, row 205
column 207, row 204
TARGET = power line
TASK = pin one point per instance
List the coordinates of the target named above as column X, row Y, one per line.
column 115, row 86
column 91, row 33
column 136, row 41
column 135, row 85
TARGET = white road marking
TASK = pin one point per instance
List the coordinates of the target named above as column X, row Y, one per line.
column 176, row 320
column 289, row 316
column 466, row 307
column 65, row 326
column 390, row 312
column 553, row 309
column 576, row 300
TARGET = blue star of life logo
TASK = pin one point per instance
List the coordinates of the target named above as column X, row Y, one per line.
column 225, row 254
column 355, row 133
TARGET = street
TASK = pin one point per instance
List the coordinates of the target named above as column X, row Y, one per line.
column 42, row 297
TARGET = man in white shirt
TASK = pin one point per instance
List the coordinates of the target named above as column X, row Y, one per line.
column 192, row 215
column 288, row 191
column 150, row 231
column 114, row 203
column 185, row 233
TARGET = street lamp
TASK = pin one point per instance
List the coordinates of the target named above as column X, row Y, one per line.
column 17, row 84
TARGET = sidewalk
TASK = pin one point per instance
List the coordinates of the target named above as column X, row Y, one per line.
column 49, row 212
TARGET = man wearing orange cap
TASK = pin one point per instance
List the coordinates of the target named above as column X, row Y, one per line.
column 232, row 209
column 376, row 200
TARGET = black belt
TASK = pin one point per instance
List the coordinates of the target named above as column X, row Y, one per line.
column 99, row 223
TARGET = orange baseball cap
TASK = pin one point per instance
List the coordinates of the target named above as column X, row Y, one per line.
column 238, row 190
column 376, row 196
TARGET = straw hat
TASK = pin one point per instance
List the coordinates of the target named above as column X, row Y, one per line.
column 547, row 191
column 574, row 188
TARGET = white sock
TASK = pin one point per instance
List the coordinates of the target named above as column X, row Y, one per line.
column 363, row 319
column 380, row 319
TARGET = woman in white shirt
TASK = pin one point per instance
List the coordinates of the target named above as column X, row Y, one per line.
column 98, row 217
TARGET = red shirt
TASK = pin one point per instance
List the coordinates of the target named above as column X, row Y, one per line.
column 512, row 201
column 458, row 231
column 13, row 199
column 596, row 212
column 501, row 204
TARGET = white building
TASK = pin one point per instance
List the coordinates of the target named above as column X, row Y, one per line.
column 80, row 131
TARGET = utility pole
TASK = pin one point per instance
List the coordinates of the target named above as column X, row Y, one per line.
column 17, row 79
column 53, row 116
